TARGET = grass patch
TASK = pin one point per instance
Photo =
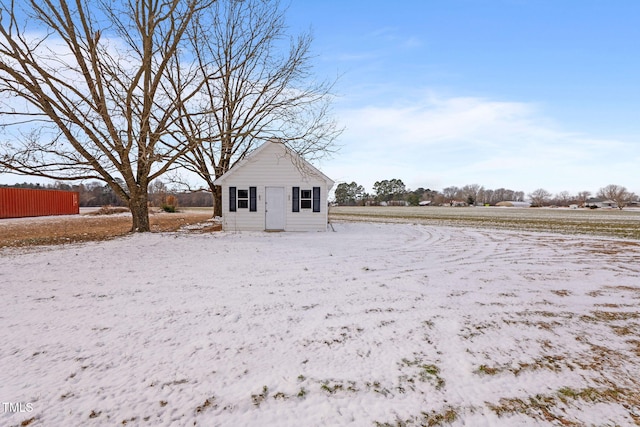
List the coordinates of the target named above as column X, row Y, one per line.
column 208, row 403
column 332, row 387
column 257, row 399
column 550, row 407
column 445, row 416
column 610, row 316
column 487, row 370
column 55, row 230
column 550, row 363
column 425, row 372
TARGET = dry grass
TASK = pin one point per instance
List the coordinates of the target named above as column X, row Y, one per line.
column 550, row 407
column 91, row 227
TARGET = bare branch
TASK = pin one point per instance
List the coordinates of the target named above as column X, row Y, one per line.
column 255, row 90
column 88, row 90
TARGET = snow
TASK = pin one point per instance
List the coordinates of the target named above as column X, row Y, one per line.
column 375, row 323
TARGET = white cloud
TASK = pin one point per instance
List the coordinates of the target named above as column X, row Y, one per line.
column 463, row 140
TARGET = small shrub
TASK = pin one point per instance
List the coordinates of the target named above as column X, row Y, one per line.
column 170, row 203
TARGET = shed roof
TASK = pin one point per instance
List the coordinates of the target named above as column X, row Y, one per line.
column 296, row 160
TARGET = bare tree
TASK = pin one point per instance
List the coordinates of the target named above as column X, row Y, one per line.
column 563, row 198
column 259, row 86
column 471, row 193
column 502, row 195
column 582, row 197
column 617, row 193
column 90, row 91
column 518, row 196
column 539, row 197
column 450, row 193
column 487, row 196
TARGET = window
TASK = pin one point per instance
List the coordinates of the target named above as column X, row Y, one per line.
column 243, row 199
column 305, row 199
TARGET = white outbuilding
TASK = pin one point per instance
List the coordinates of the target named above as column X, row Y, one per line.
column 274, row 189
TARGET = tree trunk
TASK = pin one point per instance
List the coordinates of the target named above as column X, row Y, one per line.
column 139, row 213
column 216, row 191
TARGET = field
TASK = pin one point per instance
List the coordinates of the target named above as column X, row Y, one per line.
column 599, row 222
column 376, row 324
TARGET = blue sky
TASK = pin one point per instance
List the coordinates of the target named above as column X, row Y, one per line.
column 521, row 94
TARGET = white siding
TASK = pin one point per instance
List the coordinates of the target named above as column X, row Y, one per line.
column 273, row 167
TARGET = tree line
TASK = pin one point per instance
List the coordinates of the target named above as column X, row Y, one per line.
column 394, row 191
column 95, row 194
column 127, row 91
column 612, row 192
column 390, row 192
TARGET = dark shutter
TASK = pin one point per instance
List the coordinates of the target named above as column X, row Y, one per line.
column 232, row 199
column 252, row 199
column 316, row 199
column 295, row 200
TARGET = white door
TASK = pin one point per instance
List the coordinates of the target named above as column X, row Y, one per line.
column 274, row 208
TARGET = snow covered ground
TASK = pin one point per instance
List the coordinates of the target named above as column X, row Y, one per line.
column 375, row 324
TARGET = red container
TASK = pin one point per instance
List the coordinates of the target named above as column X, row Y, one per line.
column 21, row 202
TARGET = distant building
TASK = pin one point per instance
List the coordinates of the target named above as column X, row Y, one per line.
column 594, row 202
